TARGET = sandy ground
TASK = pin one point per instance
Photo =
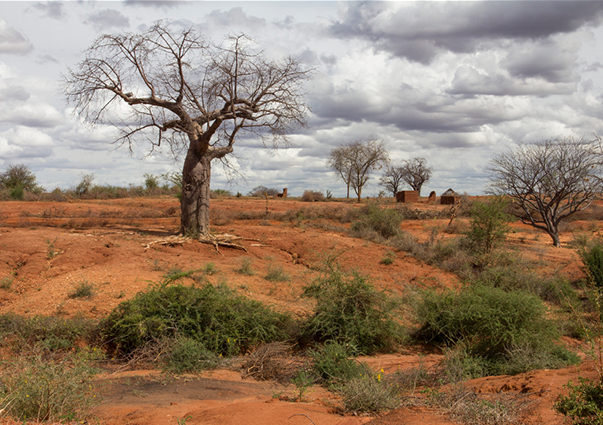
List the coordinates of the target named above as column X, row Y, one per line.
column 122, row 246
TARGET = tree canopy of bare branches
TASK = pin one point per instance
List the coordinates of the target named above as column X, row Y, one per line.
column 416, row 173
column 355, row 161
column 391, row 180
column 550, row 180
column 173, row 86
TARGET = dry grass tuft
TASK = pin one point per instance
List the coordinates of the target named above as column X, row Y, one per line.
column 272, row 361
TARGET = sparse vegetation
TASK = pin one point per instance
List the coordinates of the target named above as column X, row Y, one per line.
column 36, row 389
column 84, row 289
column 245, row 267
column 276, row 273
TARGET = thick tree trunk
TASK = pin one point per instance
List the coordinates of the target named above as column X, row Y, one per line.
column 196, row 178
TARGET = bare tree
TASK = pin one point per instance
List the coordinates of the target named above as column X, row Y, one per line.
column 392, row 179
column 181, row 90
column 549, row 181
column 355, row 161
column 415, row 173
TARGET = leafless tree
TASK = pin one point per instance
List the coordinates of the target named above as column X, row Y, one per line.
column 550, row 180
column 179, row 89
column 415, row 173
column 392, row 179
column 355, row 161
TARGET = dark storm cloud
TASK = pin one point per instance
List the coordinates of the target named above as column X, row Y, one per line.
column 469, row 82
column 420, row 31
column 51, row 9
column 546, row 60
column 108, row 18
column 12, row 40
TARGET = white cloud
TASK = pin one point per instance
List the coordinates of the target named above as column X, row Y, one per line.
column 12, row 40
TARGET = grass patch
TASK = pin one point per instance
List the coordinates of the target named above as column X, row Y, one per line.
column 375, row 222
column 245, row 268
column 276, row 274
column 37, row 389
column 369, row 393
column 47, row 333
column 84, row 289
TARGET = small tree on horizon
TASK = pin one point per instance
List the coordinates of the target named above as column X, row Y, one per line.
column 392, row 179
column 550, row 180
column 17, row 178
column 416, row 173
column 355, row 161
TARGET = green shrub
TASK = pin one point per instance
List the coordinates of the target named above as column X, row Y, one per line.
column 189, row 355
column 508, row 330
column 584, row 403
column 334, row 365
column 83, row 290
column 383, row 222
column 489, row 225
column 351, row 311
column 214, row 316
column 592, row 258
column 38, row 389
column 16, row 192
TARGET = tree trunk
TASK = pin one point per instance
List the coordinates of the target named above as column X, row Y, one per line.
column 348, row 196
column 555, row 236
column 196, row 178
column 359, row 194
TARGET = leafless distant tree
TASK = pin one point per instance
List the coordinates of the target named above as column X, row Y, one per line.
column 174, row 87
column 415, row 173
column 549, row 180
column 355, row 161
column 392, row 179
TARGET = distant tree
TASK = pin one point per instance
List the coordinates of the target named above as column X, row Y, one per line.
column 261, row 190
column 18, row 178
column 355, row 161
column 392, row 179
column 179, row 89
column 550, row 180
column 151, row 181
column 415, row 173
column 85, row 184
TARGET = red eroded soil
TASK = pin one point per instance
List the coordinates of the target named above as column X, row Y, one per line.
column 121, row 246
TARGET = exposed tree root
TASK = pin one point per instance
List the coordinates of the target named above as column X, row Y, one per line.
column 223, row 239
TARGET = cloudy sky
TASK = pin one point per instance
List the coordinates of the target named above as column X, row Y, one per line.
column 454, row 82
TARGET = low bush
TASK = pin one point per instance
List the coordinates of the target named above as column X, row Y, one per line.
column 349, row 310
column 507, row 330
column 312, row 196
column 592, row 258
column 222, row 321
column 335, row 365
column 245, row 267
column 584, row 403
column 189, row 355
column 84, row 289
column 488, row 227
column 375, row 220
column 369, row 393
